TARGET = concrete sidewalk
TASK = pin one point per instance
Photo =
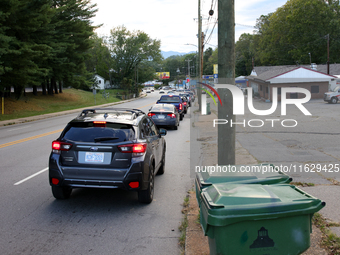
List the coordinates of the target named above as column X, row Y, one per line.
column 196, row 242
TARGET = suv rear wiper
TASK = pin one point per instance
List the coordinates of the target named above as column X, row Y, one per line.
column 98, row 139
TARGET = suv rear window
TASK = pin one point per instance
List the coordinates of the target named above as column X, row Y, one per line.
column 89, row 132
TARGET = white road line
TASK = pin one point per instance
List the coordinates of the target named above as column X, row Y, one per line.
column 33, row 175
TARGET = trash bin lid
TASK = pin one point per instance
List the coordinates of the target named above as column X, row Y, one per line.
column 258, row 174
column 228, row 203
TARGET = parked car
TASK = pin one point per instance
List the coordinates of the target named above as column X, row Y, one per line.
column 174, row 100
column 332, row 97
column 164, row 115
column 161, row 91
column 108, row 148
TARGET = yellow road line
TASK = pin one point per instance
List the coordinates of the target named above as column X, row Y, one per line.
column 145, row 106
column 30, row 138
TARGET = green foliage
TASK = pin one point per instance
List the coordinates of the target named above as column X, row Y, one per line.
column 99, row 61
column 131, row 51
column 43, row 40
column 287, row 36
column 207, row 66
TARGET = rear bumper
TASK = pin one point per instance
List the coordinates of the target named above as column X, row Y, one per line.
column 78, row 177
column 167, row 122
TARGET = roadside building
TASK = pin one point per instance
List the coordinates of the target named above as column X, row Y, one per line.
column 100, row 81
column 264, row 79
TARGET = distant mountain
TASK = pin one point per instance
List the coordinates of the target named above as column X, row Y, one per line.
column 167, row 54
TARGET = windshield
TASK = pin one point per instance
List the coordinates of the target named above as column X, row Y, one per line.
column 336, row 89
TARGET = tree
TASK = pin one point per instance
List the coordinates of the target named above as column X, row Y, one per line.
column 130, row 51
column 24, row 24
column 297, row 28
column 207, row 67
column 244, row 54
column 71, row 42
column 100, row 61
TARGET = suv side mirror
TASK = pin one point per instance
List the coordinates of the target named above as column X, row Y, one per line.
column 162, row 132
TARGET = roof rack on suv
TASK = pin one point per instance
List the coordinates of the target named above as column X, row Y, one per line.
column 135, row 112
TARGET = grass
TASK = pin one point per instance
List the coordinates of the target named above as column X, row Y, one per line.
column 70, row 99
column 330, row 241
column 184, row 224
column 303, row 184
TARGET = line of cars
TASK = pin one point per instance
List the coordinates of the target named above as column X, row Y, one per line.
column 169, row 110
column 113, row 148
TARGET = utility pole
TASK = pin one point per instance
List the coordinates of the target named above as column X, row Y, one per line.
column 199, row 91
column 328, row 54
column 189, row 66
column 226, row 75
column 188, row 70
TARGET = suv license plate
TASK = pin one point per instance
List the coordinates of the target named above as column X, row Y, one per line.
column 94, row 157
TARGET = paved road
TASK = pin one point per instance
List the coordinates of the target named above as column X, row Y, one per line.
column 92, row 221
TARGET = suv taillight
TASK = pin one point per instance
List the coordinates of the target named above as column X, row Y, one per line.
column 172, row 115
column 185, row 103
column 58, row 146
column 137, row 149
column 180, row 106
column 151, row 114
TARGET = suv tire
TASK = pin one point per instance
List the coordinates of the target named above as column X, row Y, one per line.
column 61, row 192
column 162, row 167
column 146, row 196
column 334, row 100
column 181, row 117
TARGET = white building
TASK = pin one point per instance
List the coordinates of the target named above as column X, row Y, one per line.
column 100, row 81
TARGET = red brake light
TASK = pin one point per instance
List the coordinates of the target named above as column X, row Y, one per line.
column 180, row 106
column 150, row 114
column 172, row 115
column 55, row 181
column 137, row 149
column 60, row 146
column 185, row 103
column 134, row 185
column 99, row 123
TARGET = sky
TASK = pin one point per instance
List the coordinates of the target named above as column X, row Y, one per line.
column 174, row 22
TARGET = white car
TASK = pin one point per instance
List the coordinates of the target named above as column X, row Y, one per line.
column 161, row 91
column 332, row 97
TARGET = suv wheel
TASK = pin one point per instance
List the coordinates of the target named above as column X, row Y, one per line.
column 61, row 192
column 146, row 196
column 162, row 167
column 181, row 117
column 334, row 100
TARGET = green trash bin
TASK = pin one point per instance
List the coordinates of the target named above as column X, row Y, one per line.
column 257, row 219
column 237, row 175
column 208, row 109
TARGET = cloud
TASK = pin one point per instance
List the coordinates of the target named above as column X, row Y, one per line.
column 174, row 22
